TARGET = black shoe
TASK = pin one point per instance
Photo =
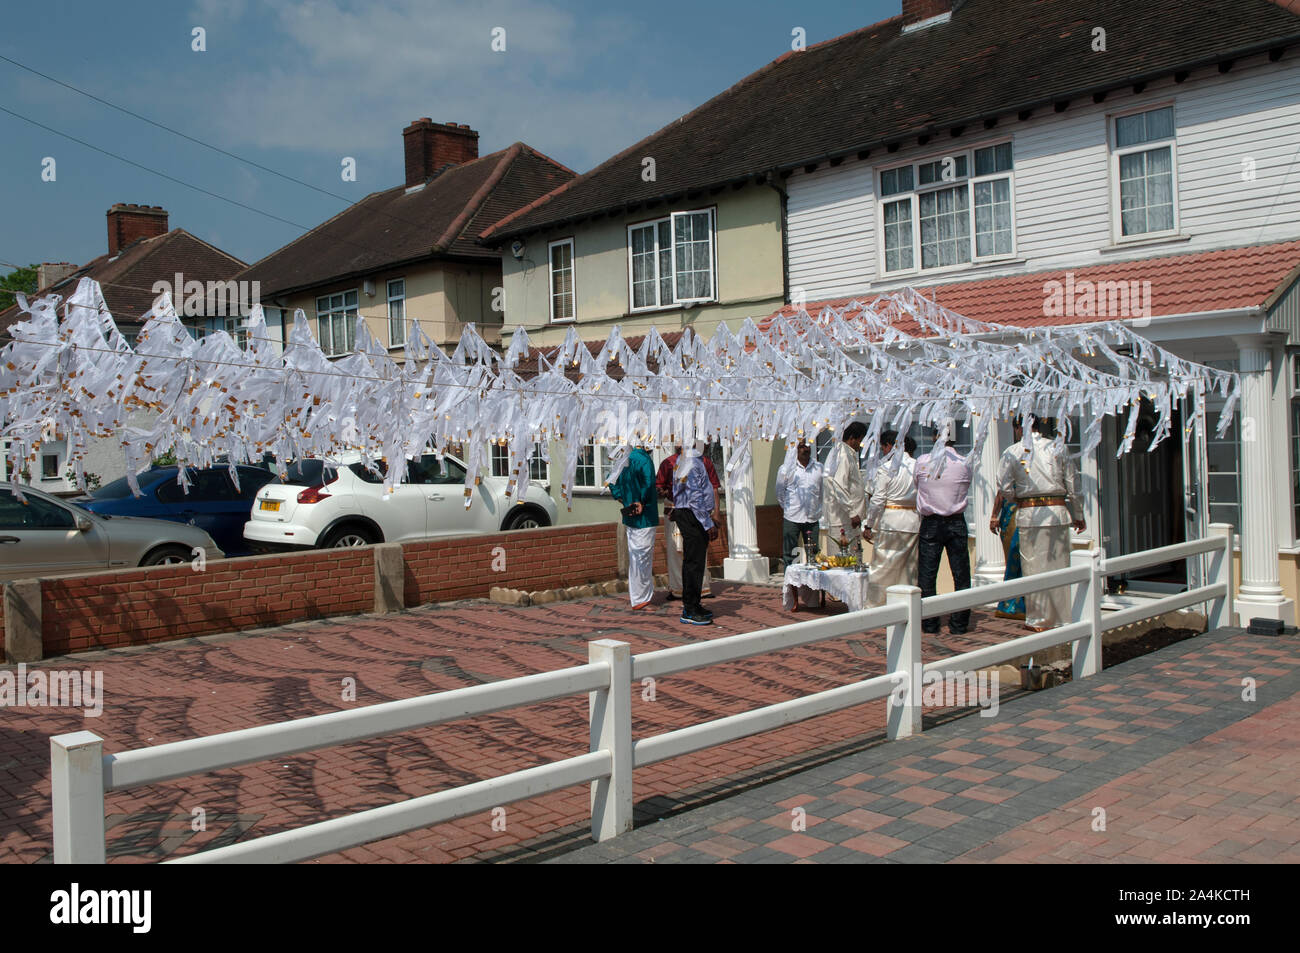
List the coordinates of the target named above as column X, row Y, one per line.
column 673, row 596
column 958, row 629
column 930, row 631
column 707, row 612
column 697, row 618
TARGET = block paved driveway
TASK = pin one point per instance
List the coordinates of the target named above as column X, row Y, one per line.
column 1163, row 749
column 168, row 692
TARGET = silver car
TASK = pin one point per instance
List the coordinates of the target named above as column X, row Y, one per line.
column 45, row 536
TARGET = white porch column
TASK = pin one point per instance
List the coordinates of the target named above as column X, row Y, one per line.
column 744, row 564
column 990, row 564
column 1260, row 593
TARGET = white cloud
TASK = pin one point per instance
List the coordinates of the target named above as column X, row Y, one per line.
column 338, row 78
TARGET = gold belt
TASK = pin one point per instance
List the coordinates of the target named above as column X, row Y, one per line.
column 1041, row 501
column 900, row 506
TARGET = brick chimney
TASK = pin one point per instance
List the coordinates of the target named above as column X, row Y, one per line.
column 129, row 223
column 52, row 272
column 915, row 11
column 431, row 145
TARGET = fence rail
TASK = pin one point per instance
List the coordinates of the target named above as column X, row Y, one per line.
column 82, row 772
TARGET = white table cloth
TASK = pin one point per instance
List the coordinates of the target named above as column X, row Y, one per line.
column 803, row 581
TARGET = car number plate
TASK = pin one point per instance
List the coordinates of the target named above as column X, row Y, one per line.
column 271, row 505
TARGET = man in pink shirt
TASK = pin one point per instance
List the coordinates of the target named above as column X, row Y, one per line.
column 942, row 482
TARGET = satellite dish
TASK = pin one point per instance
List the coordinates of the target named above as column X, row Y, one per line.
column 517, row 249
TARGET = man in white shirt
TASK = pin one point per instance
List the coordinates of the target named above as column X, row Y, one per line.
column 891, row 521
column 844, row 500
column 799, row 491
column 1044, row 482
column 942, row 486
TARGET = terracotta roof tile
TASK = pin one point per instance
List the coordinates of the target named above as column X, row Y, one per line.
column 1180, row 284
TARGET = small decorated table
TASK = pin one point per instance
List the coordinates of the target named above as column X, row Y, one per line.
column 847, row 585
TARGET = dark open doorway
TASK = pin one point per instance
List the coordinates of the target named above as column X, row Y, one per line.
column 1149, row 493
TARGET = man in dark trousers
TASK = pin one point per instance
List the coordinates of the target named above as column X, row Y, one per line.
column 942, row 484
column 695, row 510
column 673, row 554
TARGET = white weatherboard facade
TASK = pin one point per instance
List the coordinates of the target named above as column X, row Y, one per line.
column 1063, row 182
column 1235, row 156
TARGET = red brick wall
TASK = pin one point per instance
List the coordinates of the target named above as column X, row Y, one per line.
column 136, row 606
column 460, row 567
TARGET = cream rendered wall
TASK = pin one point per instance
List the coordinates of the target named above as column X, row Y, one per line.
column 749, row 267
column 442, row 296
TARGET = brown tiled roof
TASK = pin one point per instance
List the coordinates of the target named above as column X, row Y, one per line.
column 876, row 86
column 443, row 218
column 127, row 279
column 1190, row 283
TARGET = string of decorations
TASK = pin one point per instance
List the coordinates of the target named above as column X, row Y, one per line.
column 894, row 361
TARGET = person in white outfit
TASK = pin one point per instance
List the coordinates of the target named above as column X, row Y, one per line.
column 1044, row 482
column 799, row 492
column 844, row 499
column 892, row 524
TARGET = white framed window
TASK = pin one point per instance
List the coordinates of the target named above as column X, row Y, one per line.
column 593, row 467
column 237, row 328
column 397, row 312
column 49, row 466
column 563, row 296
column 1223, row 458
column 336, row 317
column 671, row 260
column 947, row 211
column 537, row 469
column 1143, row 180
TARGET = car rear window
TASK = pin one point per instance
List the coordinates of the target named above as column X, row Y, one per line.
column 370, row 476
column 119, row 489
column 307, row 473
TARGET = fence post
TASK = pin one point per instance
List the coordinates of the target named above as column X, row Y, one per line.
column 77, row 797
column 903, row 654
column 1087, row 608
column 1221, row 610
column 611, row 730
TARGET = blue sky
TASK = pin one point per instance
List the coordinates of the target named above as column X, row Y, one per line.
column 298, row 86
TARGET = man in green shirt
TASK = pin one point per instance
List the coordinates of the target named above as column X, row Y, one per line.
column 635, row 489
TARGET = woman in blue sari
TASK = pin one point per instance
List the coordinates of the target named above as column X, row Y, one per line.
column 1004, row 524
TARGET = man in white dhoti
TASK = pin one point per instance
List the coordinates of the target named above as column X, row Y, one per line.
column 1043, row 480
column 844, row 500
column 635, row 489
column 892, row 523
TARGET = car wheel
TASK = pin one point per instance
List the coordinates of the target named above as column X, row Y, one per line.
column 167, row 556
column 526, row 518
column 349, row 536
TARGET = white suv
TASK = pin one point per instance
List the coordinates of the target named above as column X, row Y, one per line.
column 325, row 507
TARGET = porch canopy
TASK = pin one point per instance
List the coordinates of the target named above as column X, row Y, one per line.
column 896, row 360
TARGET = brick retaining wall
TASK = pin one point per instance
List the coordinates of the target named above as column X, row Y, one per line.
column 139, row 606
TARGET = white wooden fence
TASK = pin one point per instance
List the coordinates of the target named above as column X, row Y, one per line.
column 82, row 772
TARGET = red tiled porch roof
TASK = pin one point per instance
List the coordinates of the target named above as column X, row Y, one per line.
column 1180, row 284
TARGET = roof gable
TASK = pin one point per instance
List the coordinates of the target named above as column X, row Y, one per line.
column 127, row 279
column 443, row 217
